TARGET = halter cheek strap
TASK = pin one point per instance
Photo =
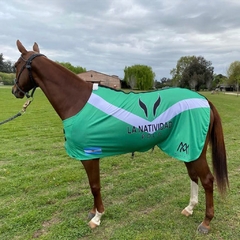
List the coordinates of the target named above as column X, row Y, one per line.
column 29, row 67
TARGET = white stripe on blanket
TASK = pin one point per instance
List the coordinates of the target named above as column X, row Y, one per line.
column 135, row 120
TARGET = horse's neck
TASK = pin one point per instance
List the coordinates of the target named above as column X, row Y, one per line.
column 65, row 90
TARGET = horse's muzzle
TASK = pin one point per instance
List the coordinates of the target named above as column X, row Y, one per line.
column 16, row 92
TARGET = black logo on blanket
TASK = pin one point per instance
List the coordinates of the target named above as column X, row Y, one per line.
column 183, row 147
column 155, row 106
column 152, row 129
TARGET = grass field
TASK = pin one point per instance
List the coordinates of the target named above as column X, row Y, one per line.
column 45, row 194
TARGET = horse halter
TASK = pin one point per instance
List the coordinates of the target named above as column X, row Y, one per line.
column 28, row 66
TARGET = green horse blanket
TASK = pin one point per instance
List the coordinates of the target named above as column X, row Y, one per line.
column 113, row 122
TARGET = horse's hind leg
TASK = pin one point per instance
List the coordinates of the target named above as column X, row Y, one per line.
column 199, row 168
column 93, row 173
column 193, row 199
column 207, row 183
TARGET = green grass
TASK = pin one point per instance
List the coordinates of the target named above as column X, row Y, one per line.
column 45, row 194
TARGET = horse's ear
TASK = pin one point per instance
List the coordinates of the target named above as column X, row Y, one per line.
column 21, row 48
column 36, row 48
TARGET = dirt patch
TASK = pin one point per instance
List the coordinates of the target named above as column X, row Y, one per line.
column 45, row 226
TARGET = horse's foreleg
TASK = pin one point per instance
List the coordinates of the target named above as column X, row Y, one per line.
column 93, row 173
column 193, row 200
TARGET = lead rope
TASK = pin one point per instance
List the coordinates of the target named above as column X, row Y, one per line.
column 20, row 113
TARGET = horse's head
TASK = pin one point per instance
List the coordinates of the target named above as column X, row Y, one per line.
column 24, row 80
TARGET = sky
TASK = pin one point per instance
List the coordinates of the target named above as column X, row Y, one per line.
column 109, row 35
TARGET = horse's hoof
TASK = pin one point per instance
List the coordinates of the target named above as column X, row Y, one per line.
column 186, row 213
column 91, row 215
column 203, row 229
column 92, row 225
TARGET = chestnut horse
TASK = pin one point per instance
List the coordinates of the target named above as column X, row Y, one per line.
column 69, row 94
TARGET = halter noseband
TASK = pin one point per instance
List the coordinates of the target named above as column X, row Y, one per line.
column 28, row 66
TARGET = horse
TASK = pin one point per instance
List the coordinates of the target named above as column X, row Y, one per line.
column 128, row 122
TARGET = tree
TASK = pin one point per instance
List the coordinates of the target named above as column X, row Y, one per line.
column 70, row 67
column 164, row 82
column 193, row 72
column 6, row 66
column 9, row 67
column 233, row 73
column 132, row 81
column 219, row 79
column 1, row 62
column 139, row 76
column 7, row 78
column 177, row 73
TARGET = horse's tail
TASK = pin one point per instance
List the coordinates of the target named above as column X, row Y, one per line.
column 219, row 158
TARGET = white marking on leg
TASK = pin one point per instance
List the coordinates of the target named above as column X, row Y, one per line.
column 193, row 198
column 97, row 218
